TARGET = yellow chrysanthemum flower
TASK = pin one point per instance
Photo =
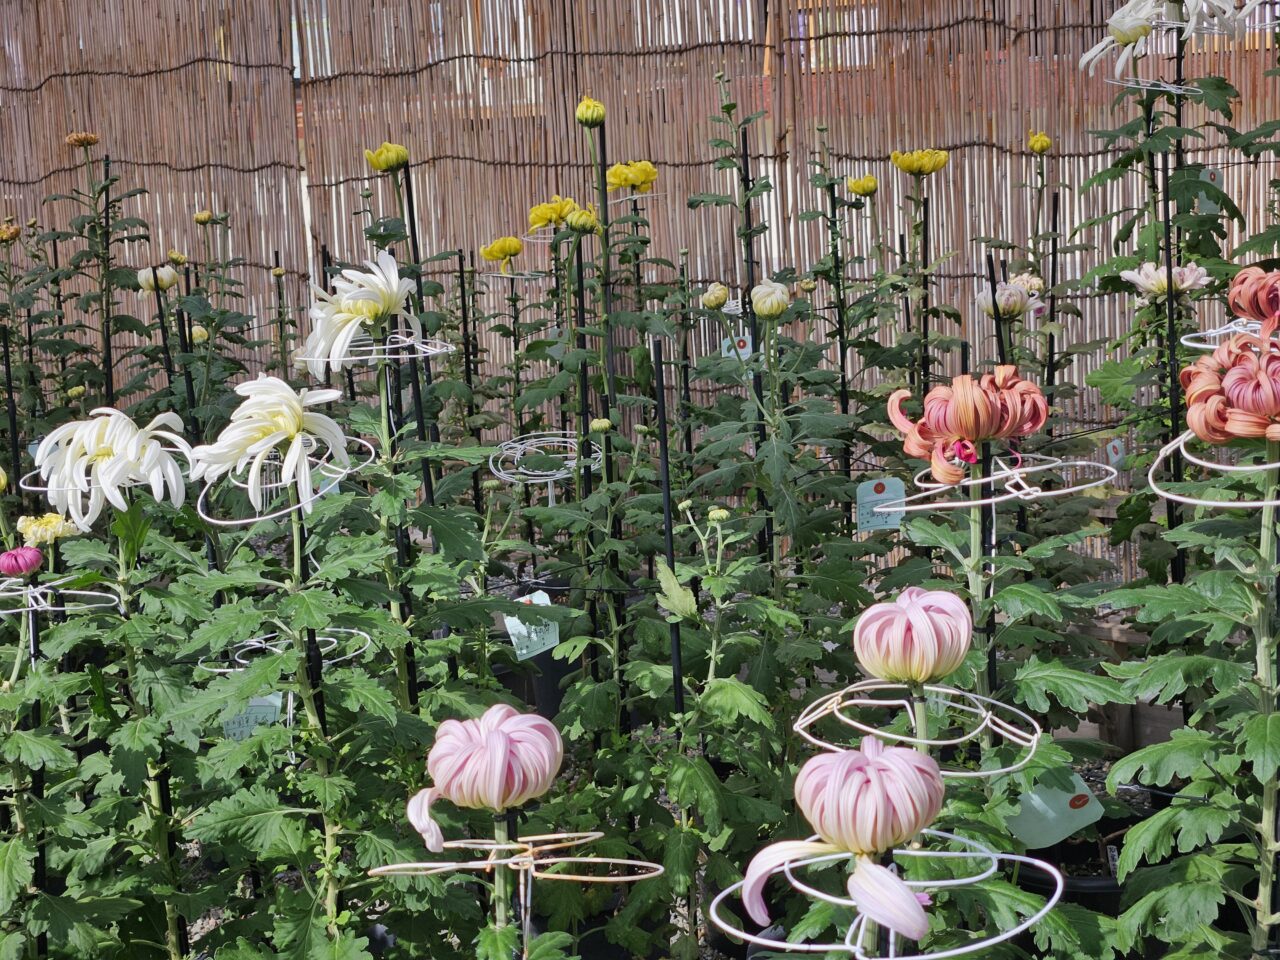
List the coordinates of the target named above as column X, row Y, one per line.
column 37, row 531
column 1038, row 143
column 639, row 175
column 919, row 163
column 389, row 156
column 553, row 213
column 863, row 186
column 583, row 220
column 502, row 250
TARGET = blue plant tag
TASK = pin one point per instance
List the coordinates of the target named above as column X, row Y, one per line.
column 531, row 639
column 1206, row 206
column 1115, row 452
column 1050, row 813
column 259, row 712
column 873, row 493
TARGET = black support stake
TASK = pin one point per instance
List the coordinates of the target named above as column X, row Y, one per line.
column 1178, row 569
column 668, row 522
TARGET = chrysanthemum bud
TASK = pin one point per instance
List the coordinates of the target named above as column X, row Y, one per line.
column 76, row 392
column 389, row 156
column 277, row 271
column 601, row 425
column 864, row 186
column 177, row 258
column 718, row 515
column 491, row 485
column 9, row 232
column 715, row 297
column 769, row 299
column 82, row 139
column 684, row 505
column 590, row 113
column 1039, row 143
column 199, row 334
column 808, row 285
column 204, row 216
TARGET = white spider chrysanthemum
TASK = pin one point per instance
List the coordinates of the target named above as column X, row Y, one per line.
column 273, row 424
column 89, row 463
column 362, row 303
column 1130, row 26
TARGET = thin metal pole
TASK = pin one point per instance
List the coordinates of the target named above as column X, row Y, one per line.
column 108, row 361
column 163, row 326
column 1173, row 387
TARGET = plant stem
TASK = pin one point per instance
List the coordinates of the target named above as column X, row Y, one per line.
column 384, row 522
column 501, row 876
column 977, row 586
column 1264, row 653
column 920, row 716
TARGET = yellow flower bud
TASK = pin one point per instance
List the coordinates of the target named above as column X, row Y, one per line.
column 177, row 258
column 863, row 186
column 162, row 277
column 31, row 224
column 277, row 272
column 1038, row 143
column 919, row 163
column 718, row 515
column 4, row 480
column 583, row 220
column 502, row 250
column 808, row 285
column 9, row 232
column 204, row 216
column 715, row 297
column 199, row 334
column 601, row 425
column 76, row 392
column 590, row 113
column 82, row 139
column 389, row 156
column 491, row 485
column 684, row 505
column 769, row 299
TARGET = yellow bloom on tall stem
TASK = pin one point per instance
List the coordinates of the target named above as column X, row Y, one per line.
column 553, row 213
column 919, row 163
column 864, row 186
column 639, row 175
column 1038, row 143
column 583, row 220
column 389, row 156
column 590, row 113
column 502, row 250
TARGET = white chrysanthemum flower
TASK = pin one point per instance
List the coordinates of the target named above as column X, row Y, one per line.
column 273, row 425
column 362, row 303
column 1014, row 300
column 89, row 463
column 1129, row 27
column 1152, row 279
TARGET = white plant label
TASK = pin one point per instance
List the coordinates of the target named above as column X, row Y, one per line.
column 738, row 348
column 873, row 493
column 1214, row 176
column 531, row 639
column 260, row 712
column 1115, row 452
column 1049, row 814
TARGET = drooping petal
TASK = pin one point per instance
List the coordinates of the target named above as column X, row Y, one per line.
column 883, row 897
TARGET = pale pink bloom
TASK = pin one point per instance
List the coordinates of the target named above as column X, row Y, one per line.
column 883, row 897
column 862, row 801
column 1015, row 300
column 1152, row 279
column 496, row 762
column 20, row 561
column 921, row 636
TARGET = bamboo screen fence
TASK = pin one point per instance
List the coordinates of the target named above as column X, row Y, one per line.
column 262, row 108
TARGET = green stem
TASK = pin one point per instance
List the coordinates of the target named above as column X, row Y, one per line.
column 388, row 535
column 977, row 587
column 920, row 716
column 1264, row 653
column 501, row 874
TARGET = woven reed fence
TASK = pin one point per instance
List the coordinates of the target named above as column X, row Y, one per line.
column 262, row 108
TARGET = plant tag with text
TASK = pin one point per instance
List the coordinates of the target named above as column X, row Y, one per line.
column 738, row 347
column 1050, row 814
column 531, row 639
column 1115, row 452
column 1206, row 206
column 259, row 712
column 873, row 493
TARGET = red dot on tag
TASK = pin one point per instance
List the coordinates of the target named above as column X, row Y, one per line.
column 742, row 344
column 879, row 487
column 1078, row 801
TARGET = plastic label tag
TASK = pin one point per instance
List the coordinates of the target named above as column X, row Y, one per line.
column 1213, row 176
column 871, row 494
column 1050, row 814
column 738, row 348
column 557, row 351
column 259, row 712
column 1115, row 452
column 532, row 639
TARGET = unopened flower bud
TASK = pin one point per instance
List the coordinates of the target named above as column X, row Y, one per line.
column 82, row 139
column 684, row 505
column 76, row 392
column 204, row 216
column 808, row 285
column 277, row 271
column 491, row 485
column 601, row 425
column 177, row 258
column 718, row 515
column 590, row 113
column 199, row 334
column 715, row 297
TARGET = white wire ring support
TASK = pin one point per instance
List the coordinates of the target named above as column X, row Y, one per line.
column 986, row 714
column 40, row 597
column 27, row 480
column 528, row 856
column 1208, row 339
column 852, row 942
column 505, row 462
column 270, row 644
column 1179, row 444
column 1012, row 478
column 1141, row 83
column 527, row 277
column 638, row 197
column 396, row 348
column 331, row 473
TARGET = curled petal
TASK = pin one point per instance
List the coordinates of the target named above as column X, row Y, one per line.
column 419, row 813
column 882, row 896
column 765, row 863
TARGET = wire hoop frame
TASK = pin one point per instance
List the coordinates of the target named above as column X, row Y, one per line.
column 1013, row 477
column 505, row 462
column 1179, row 444
column 1142, row 83
column 270, row 644
column 50, row 597
column 854, row 942
column 982, row 714
column 396, row 348
column 331, row 474
column 1208, row 339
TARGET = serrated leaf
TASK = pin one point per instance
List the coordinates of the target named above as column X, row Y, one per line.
column 37, row 751
column 693, row 784
column 675, row 598
column 1037, row 680
column 1261, row 736
column 454, row 530
column 1185, row 753
column 1020, row 600
column 254, row 816
column 728, row 699
column 15, row 871
column 497, row 943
